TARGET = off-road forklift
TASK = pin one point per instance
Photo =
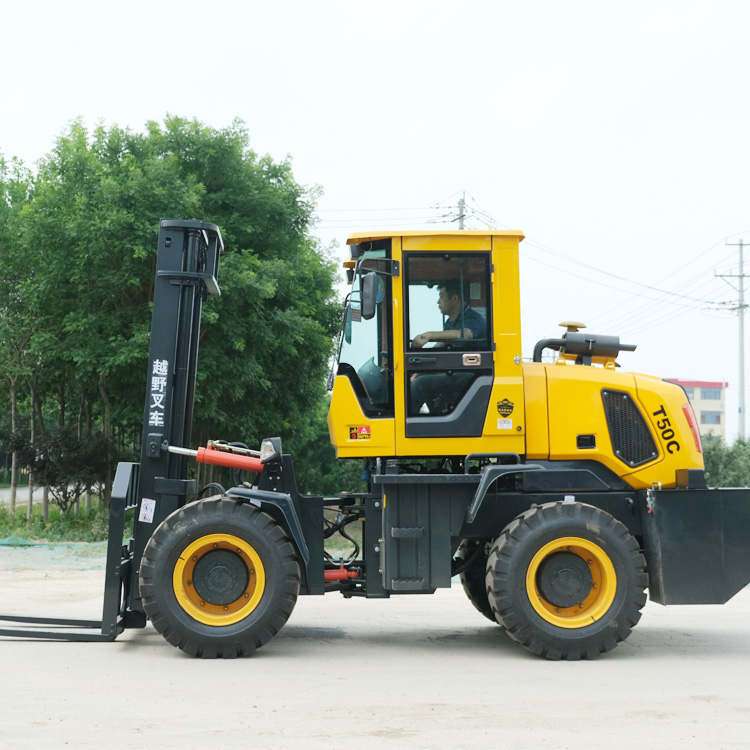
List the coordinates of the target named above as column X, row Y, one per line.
column 558, row 490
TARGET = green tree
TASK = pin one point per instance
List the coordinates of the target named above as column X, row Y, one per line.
column 15, row 286
column 726, row 465
column 315, row 465
column 267, row 339
column 89, row 235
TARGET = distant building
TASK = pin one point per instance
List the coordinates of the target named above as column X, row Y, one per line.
column 707, row 399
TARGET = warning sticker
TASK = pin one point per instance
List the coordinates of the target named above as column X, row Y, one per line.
column 504, row 424
column 148, row 508
column 361, row 432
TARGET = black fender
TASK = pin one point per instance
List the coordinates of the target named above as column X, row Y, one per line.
column 489, row 475
column 281, row 508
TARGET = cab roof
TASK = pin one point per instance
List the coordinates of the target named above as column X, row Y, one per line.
column 357, row 237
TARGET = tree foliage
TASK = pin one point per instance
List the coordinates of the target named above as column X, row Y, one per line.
column 75, row 306
column 726, row 465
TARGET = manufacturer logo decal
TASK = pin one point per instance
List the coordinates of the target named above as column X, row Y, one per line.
column 505, row 407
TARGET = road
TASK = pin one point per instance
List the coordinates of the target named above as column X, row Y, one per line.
column 22, row 495
column 410, row 672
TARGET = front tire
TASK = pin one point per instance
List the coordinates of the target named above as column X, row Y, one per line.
column 566, row 581
column 219, row 578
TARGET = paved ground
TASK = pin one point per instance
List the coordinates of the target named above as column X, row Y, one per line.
column 409, row 672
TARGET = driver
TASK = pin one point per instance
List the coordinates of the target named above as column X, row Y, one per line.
column 461, row 322
column 439, row 391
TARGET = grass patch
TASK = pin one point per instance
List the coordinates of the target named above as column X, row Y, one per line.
column 338, row 546
column 88, row 526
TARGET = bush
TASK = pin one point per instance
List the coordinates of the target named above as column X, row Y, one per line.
column 87, row 526
column 65, row 462
column 726, row 465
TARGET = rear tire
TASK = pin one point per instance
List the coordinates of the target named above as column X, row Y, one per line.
column 566, row 581
column 474, row 578
column 219, row 579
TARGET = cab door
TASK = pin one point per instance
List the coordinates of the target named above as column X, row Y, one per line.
column 448, row 353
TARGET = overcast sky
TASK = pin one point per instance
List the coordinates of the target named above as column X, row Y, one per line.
column 613, row 134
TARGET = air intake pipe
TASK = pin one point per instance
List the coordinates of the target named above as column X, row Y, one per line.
column 584, row 347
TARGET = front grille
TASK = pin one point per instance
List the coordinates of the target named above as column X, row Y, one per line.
column 631, row 440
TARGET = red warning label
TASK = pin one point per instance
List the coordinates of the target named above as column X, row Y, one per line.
column 361, row 432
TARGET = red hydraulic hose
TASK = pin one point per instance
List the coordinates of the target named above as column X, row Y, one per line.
column 339, row 574
column 223, row 458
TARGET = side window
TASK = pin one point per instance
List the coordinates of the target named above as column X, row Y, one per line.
column 448, row 301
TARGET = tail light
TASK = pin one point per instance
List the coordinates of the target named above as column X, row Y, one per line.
column 690, row 416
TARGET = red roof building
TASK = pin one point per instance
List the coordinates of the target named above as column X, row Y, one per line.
column 707, row 399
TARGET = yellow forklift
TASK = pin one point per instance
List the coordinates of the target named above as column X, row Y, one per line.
column 558, row 490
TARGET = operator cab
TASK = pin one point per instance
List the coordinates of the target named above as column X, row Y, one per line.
column 445, row 345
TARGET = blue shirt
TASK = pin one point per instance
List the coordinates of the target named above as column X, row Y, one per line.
column 470, row 319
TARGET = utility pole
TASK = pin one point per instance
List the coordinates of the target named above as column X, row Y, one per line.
column 741, row 314
column 463, row 212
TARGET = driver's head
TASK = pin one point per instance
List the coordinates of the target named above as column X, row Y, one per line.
column 449, row 298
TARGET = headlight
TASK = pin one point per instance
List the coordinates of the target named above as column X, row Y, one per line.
column 270, row 450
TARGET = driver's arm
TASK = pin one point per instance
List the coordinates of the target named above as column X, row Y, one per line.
column 441, row 336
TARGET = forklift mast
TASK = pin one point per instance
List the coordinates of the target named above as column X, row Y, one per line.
column 187, row 266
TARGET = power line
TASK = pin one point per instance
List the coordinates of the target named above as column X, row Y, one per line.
column 363, row 210
column 617, row 288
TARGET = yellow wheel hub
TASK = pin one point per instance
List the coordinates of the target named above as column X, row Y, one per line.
column 219, row 579
column 571, row 582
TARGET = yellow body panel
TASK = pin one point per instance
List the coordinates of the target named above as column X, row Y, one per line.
column 537, row 423
column 564, row 401
column 660, row 401
column 574, row 407
column 374, row 437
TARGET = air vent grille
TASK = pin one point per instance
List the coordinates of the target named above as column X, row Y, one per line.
column 631, row 440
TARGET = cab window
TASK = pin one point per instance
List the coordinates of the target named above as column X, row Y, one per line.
column 448, row 358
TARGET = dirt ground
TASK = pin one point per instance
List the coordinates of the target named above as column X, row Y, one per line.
column 410, row 672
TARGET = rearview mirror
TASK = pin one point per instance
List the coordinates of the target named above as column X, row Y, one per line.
column 348, row 324
column 369, row 295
